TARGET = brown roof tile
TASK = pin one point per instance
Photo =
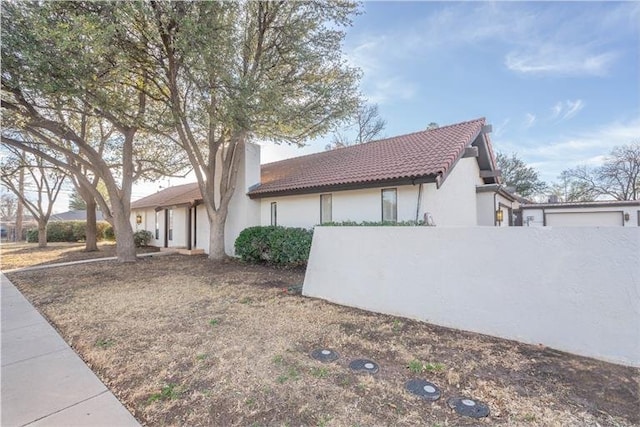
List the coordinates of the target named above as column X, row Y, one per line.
column 428, row 153
column 172, row 196
column 415, row 155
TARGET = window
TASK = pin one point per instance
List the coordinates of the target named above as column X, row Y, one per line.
column 170, row 230
column 157, row 225
column 274, row 213
column 325, row 208
column 389, row 205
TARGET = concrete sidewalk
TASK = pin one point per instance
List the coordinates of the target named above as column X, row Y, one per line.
column 44, row 382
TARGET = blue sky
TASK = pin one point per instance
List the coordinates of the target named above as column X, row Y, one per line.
column 559, row 82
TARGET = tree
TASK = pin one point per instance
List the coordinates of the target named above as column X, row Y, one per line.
column 76, row 202
column 516, row 174
column 63, row 70
column 230, row 72
column 432, row 125
column 368, row 126
column 46, row 181
column 572, row 190
column 8, row 206
column 617, row 178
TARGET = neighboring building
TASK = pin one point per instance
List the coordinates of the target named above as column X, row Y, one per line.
column 601, row 213
column 79, row 215
column 447, row 175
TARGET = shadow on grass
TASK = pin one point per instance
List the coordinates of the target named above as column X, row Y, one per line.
column 30, row 255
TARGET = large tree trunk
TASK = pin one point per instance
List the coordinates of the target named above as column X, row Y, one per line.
column 91, row 242
column 216, row 234
column 227, row 185
column 42, row 233
column 19, row 208
column 125, row 247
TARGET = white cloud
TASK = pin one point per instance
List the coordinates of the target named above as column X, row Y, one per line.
column 560, row 60
column 501, row 128
column 573, row 107
column 567, row 109
column 394, row 88
column 529, row 120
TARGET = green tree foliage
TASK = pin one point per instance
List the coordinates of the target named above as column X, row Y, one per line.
column 76, row 203
column 516, row 174
column 67, row 84
column 204, row 77
column 617, row 178
column 232, row 72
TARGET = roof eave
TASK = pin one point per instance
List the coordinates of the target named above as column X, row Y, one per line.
column 346, row 186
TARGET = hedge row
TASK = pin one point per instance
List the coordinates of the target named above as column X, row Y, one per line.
column 282, row 246
column 71, row 231
column 373, row 224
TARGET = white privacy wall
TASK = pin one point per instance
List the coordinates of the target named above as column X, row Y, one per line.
column 573, row 289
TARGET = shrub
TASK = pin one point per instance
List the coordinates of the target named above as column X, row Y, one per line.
column 283, row 246
column 69, row 231
column 60, row 231
column 142, row 238
column 103, row 228
column 108, row 232
column 32, row 235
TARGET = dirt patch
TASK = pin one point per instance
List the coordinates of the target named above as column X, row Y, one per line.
column 19, row 255
column 185, row 341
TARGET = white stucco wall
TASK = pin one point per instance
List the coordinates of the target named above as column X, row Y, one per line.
column 202, row 229
column 485, row 209
column 149, row 224
column 574, row 289
column 534, row 217
column 243, row 211
column 454, row 203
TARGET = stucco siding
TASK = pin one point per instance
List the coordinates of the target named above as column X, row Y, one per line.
column 454, row 203
column 574, row 289
column 485, row 209
column 243, row 211
column 149, row 224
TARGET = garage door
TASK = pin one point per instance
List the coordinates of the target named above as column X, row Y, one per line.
column 585, row 219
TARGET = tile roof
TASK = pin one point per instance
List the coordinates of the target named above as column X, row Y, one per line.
column 428, row 153
column 172, row 196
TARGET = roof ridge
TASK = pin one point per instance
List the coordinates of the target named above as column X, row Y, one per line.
column 376, row 141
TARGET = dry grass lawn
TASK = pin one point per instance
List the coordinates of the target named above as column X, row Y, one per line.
column 184, row 341
column 19, row 255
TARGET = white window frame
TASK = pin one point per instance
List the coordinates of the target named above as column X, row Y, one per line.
column 274, row 213
column 324, row 218
column 393, row 191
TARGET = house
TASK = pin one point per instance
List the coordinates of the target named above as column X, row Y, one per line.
column 77, row 215
column 602, row 213
column 446, row 175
